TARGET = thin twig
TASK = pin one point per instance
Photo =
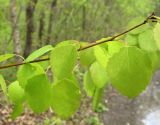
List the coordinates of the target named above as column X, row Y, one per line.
column 85, row 47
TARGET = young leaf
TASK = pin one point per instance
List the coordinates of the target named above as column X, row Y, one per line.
column 147, row 41
column 139, row 29
column 69, row 42
column 97, row 98
column 103, row 45
column 38, row 93
column 6, row 56
column 17, row 110
column 98, row 75
column 130, row 71
column 62, row 60
column 101, row 55
column 114, row 47
column 27, row 71
column 39, row 53
column 87, row 56
column 3, row 84
column 156, row 34
column 155, row 59
column 89, row 86
column 16, row 93
column 66, row 98
column 131, row 40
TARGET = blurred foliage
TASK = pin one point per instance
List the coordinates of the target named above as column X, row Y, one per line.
column 82, row 20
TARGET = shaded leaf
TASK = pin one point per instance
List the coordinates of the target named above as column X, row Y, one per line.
column 89, row 86
column 98, row 75
column 3, row 84
column 97, row 98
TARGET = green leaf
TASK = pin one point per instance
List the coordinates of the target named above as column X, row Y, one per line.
column 62, row 60
column 99, row 75
column 87, row 56
column 89, row 86
column 147, row 41
column 114, row 47
column 131, row 40
column 38, row 93
column 97, row 98
column 27, row 71
column 130, row 71
column 3, row 84
column 39, row 53
column 156, row 34
column 6, row 56
column 155, row 59
column 69, row 42
column 17, row 110
column 101, row 55
column 16, row 93
column 138, row 30
column 66, row 98
column 103, row 45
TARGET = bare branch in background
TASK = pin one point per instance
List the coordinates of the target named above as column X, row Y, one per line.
column 29, row 26
column 15, row 28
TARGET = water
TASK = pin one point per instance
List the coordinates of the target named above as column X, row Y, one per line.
column 152, row 118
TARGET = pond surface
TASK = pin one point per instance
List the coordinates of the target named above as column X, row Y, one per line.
column 152, row 118
column 143, row 110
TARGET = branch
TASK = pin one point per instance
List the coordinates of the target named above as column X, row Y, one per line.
column 88, row 46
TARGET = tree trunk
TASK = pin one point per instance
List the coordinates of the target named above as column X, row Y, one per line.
column 29, row 26
column 41, row 27
column 15, row 28
column 83, row 22
column 53, row 4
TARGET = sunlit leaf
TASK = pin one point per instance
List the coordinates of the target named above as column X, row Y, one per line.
column 130, row 71
column 147, row 41
column 99, row 75
column 27, row 71
column 16, row 93
column 101, row 55
column 17, row 110
column 39, row 53
column 89, row 86
column 136, row 21
column 6, row 56
column 62, row 60
column 131, row 40
column 38, row 93
column 87, row 56
column 66, row 98
column 156, row 35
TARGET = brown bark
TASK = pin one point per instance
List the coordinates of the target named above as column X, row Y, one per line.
column 29, row 26
column 50, row 24
column 83, row 21
column 41, row 27
column 15, row 28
